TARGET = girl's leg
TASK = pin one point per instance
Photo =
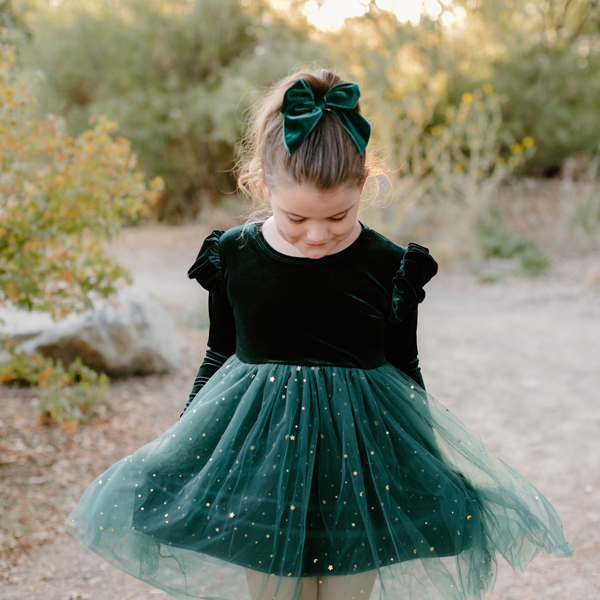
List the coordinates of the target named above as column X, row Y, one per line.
column 266, row 587
column 348, row 587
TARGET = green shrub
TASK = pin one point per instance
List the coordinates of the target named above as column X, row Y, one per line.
column 496, row 241
column 67, row 396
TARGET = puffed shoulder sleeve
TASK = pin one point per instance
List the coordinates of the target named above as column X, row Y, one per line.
column 207, row 269
column 417, row 267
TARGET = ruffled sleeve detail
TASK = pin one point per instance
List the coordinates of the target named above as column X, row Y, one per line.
column 417, row 267
column 207, row 269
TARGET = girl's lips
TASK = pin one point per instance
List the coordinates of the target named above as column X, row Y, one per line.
column 315, row 244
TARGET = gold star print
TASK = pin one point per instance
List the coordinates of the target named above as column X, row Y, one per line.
column 356, row 472
column 330, row 567
column 298, row 368
column 412, row 395
column 292, row 437
column 271, row 379
column 292, row 507
column 101, row 528
column 251, row 447
column 324, row 501
column 316, row 559
column 231, row 515
column 353, row 524
column 431, row 549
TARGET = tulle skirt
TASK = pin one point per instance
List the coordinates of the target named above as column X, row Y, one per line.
column 284, row 481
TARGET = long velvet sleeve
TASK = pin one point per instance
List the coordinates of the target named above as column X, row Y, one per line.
column 221, row 341
column 417, row 267
column 401, row 346
column 207, row 270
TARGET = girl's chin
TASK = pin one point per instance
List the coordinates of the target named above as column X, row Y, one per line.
column 314, row 251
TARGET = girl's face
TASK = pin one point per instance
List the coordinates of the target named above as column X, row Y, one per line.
column 314, row 222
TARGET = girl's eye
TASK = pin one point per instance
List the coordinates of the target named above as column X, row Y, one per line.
column 295, row 220
column 338, row 218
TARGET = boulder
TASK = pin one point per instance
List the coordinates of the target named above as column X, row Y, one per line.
column 136, row 338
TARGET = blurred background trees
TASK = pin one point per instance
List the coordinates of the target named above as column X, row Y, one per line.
column 179, row 75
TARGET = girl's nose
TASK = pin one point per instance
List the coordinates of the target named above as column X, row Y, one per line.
column 317, row 234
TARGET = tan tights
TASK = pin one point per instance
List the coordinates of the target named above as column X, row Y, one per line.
column 349, row 587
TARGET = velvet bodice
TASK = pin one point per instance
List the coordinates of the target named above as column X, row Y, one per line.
column 353, row 308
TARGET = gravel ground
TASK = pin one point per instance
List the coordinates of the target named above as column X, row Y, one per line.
column 517, row 361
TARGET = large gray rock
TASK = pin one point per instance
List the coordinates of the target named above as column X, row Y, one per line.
column 137, row 338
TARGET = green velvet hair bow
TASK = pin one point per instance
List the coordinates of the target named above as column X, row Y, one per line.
column 302, row 112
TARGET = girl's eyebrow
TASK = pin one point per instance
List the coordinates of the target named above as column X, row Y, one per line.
column 296, row 215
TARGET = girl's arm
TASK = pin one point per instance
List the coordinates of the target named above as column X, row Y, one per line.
column 221, row 341
column 417, row 267
column 400, row 346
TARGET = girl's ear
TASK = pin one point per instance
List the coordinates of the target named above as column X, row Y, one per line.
column 365, row 181
column 263, row 184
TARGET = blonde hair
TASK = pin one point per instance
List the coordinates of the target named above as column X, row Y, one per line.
column 327, row 159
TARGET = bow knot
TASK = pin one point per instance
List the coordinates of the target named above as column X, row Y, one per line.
column 302, row 111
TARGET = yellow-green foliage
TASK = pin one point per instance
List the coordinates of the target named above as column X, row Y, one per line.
column 464, row 157
column 68, row 397
column 61, row 198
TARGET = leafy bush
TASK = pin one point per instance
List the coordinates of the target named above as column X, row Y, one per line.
column 61, row 199
column 495, row 240
column 67, row 397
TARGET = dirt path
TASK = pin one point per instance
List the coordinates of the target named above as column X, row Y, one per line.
column 518, row 362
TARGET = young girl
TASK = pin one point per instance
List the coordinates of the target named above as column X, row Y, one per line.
column 310, row 462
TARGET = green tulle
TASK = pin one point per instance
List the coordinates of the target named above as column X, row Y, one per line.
column 301, row 472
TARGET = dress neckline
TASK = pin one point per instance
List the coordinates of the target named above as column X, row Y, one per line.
column 304, row 260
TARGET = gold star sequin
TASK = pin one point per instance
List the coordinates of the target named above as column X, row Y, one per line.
column 271, row 379
column 292, row 507
column 431, row 549
column 231, row 515
column 251, row 447
column 356, row 472
column 298, row 368
column 292, row 437
column 330, row 567
column 353, row 524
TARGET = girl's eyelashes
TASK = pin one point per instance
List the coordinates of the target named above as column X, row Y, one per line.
column 330, row 218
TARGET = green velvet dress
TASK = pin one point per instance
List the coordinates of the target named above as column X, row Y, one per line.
column 310, row 450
